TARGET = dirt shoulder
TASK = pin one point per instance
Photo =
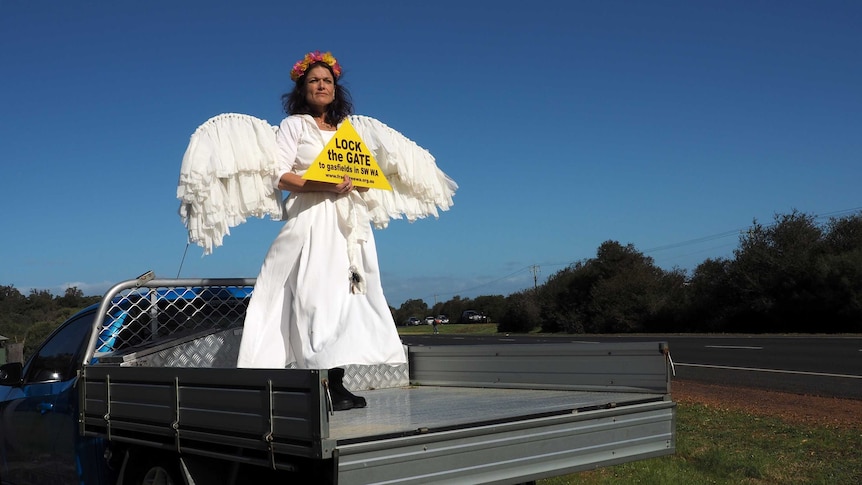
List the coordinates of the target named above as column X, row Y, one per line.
column 824, row 411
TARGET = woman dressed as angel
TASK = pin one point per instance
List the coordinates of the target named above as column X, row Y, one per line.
column 318, row 302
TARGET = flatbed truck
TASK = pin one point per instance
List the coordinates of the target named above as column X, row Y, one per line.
column 143, row 388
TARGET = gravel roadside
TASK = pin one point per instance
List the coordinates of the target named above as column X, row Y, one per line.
column 825, row 411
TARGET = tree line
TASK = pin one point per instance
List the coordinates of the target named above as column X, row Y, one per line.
column 29, row 319
column 793, row 275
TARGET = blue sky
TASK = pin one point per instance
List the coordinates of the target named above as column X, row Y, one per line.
column 669, row 125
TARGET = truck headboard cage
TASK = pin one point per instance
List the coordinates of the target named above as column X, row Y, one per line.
column 139, row 313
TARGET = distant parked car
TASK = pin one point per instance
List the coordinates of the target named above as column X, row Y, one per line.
column 472, row 316
column 429, row 320
column 412, row 321
column 443, row 318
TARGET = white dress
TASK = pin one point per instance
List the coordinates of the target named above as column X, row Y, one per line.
column 304, row 311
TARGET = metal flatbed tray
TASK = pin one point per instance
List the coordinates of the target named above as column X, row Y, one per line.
column 455, row 435
column 409, row 411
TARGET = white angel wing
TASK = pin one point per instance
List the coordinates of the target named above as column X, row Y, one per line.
column 226, row 176
column 229, row 169
column 419, row 187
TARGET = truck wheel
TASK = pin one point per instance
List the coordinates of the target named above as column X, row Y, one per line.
column 153, row 470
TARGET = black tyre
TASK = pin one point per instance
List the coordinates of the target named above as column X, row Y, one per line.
column 153, row 470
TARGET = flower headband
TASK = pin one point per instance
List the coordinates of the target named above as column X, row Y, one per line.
column 301, row 66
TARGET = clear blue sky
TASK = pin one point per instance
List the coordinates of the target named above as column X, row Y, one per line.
column 669, row 125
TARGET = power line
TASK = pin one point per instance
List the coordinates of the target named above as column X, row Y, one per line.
column 465, row 290
column 534, row 268
column 696, row 240
column 739, row 231
column 833, row 213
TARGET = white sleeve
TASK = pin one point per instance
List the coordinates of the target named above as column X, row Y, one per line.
column 287, row 143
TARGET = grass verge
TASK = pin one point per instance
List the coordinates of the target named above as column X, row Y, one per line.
column 732, row 447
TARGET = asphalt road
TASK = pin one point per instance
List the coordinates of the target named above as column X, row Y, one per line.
column 816, row 365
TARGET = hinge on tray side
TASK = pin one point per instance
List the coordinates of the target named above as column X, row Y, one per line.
column 327, row 394
column 664, row 348
column 269, row 436
column 108, row 405
column 176, row 424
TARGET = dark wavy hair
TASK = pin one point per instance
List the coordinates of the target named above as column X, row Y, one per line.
column 294, row 102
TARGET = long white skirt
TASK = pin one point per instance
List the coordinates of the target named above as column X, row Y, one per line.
column 302, row 311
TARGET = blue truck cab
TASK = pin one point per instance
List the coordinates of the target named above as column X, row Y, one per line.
column 40, row 441
column 40, row 401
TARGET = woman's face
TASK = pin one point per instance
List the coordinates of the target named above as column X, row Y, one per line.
column 319, row 87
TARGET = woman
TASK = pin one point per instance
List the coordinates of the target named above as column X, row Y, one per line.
column 306, row 311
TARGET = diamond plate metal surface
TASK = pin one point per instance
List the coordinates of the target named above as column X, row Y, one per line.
column 365, row 377
column 368, row 377
column 215, row 350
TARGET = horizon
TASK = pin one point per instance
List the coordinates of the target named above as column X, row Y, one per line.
column 667, row 125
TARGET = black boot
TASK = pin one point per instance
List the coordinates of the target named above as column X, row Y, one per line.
column 339, row 400
column 336, row 386
column 340, row 403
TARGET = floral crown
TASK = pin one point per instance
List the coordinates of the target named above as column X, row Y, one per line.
column 301, row 66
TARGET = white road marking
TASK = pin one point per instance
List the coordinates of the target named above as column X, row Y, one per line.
column 743, row 347
column 774, row 371
column 583, row 342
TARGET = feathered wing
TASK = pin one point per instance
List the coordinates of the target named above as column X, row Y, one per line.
column 229, row 170
column 419, row 187
column 226, row 176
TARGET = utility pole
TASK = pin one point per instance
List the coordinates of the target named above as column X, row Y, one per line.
column 535, row 269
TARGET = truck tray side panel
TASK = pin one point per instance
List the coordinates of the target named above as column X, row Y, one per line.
column 514, row 452
column 209, row 411
column 617, row 367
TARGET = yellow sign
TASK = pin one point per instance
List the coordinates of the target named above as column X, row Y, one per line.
column 347, row 154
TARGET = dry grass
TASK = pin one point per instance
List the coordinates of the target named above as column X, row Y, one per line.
column 794, row 408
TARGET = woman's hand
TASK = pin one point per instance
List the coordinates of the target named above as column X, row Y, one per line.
column 295, row 183
column 345, row 186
